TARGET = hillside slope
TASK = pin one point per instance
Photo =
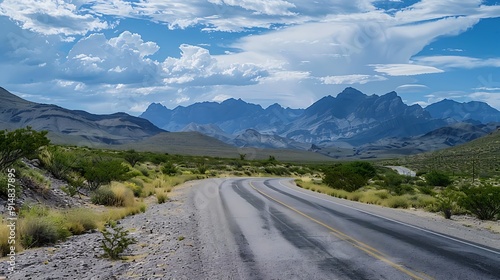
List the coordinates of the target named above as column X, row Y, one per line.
column 72, row 126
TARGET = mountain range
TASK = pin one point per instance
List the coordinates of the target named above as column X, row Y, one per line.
column 351, row 119
column 73, row 126
column 351, row 124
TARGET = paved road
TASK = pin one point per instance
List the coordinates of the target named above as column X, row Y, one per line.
column 403, row 170
column 267, row 229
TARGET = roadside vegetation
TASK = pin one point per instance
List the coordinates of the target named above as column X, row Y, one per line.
column 117, row 184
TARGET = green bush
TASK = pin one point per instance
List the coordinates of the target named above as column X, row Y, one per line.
column 426, row 189
column 447, row 202
column 437, row 178
column 398, row 202
column 169, row 169
column 58, row 162
column 79, row 221
column 36, row 232
column 99, row 172
column 135, row 188
column 349, row 176
column 115, row 240
column 483, row 202
column 23, row 142
column 161, row 197
column 105, row 196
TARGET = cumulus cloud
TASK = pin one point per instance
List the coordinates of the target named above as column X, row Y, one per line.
column 51, row 17
column 197, row 67
column 122, row 59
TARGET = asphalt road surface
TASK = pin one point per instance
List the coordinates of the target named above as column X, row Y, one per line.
column 261, row 228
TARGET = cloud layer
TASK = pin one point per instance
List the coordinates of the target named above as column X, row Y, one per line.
column 287, row 51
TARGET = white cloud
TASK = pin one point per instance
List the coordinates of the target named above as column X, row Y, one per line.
column 229, row 15
column 453, row 61
column 405, row 69
column 411, row 88
column 196, row 67
column 351, row 79
column 266, row 7
column 122, row 59
column 492, row 98
column 221, row 97
column 51, row 17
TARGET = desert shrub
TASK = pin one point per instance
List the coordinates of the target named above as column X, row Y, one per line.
column 392, row 180
column 382, row 194
column 349, row 177
column 99, row 172
column 58, row 162
column 79, row 221
column 201, row 168
column 356, row 196
column 144, row 170
column 437, row 178
column 398, row 202
column 277, row 170
column 135, row 188
column 483, row 201
column 104, row 196
column 447, row 201
column 114, row 195
column 169, row 169
column 161, row 197
column 426, row 189
column 115, row 240
column 36, row 232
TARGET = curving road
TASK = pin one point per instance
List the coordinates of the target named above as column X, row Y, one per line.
column 261, row 228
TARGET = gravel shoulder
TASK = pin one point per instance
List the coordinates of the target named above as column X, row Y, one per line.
column 167, row 248
column 172, row 243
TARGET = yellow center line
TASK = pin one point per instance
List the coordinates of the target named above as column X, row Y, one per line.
column 356, row 243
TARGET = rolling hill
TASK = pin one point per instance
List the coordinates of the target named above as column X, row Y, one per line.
column 480, row 157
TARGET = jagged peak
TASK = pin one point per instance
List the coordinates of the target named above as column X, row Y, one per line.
column 350, row 92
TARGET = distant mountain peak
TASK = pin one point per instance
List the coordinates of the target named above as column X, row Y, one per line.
column 456, row 111
column 351, row 92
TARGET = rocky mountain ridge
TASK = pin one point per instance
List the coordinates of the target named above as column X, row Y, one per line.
column 72, row 125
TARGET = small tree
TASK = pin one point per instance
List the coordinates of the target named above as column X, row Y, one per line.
column 99, row 172
column 243, row 156
column 23, row 142
column 132, row 157
column 483, row 202
column 437, row 178
column 115, row 240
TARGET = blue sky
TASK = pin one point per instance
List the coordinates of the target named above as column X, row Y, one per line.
column 117, row 55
